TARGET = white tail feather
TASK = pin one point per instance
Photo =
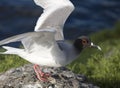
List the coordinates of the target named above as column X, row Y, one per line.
column 11, row 50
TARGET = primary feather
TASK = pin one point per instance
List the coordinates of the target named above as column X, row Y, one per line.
column 54, row 15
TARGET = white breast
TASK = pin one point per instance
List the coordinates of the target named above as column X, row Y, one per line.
column 46, row 57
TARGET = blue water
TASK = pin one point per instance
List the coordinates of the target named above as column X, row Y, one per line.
column 89, row 16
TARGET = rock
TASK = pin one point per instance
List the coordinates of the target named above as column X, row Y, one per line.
column 24, row 77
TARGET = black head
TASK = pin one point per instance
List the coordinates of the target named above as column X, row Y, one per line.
column 83, row 42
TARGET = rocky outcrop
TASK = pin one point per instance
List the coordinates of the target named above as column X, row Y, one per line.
column 24, row 77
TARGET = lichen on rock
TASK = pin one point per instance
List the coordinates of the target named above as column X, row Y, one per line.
column 24, row 77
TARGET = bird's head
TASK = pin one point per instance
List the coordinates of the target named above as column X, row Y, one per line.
column 83, row 42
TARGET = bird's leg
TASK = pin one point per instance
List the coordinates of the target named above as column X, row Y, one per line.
column 40, row 74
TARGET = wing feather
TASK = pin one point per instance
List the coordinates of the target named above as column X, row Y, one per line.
column 31, row 39
column 54, row 15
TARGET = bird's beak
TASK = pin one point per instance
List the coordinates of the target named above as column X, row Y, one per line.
column 95, row 46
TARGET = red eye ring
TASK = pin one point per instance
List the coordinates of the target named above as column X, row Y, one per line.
column 84, row 41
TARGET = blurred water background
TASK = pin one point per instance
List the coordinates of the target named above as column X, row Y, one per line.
column 89, row 16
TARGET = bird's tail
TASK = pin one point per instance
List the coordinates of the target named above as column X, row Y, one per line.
column 11, row 50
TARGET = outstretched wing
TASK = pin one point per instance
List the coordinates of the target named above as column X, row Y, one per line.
column 54, row 15
column 31, row 40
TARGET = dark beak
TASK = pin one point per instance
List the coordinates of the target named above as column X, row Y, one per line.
column 95, row 46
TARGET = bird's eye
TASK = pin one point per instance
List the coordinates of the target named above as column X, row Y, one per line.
column 84, row 41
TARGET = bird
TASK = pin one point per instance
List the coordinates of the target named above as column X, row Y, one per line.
column 46, row 46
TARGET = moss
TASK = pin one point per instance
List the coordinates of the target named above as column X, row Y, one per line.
column 10, row 61
column 102, row 68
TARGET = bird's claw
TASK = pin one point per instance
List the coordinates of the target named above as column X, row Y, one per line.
column 41, row 75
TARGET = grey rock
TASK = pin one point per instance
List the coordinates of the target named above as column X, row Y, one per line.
column 24, row 77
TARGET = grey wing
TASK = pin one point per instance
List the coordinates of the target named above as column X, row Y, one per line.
column 38, row 39
column 31, row 39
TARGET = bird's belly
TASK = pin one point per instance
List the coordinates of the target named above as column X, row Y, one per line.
column 45, row 59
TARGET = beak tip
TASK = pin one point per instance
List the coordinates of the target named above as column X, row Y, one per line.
column 99, row 48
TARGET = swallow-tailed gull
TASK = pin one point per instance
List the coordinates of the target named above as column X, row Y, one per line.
column 46, row 45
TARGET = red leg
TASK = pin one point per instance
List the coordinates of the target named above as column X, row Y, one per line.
column 41, row 75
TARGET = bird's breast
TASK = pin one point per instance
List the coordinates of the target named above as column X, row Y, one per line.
column 46, row 57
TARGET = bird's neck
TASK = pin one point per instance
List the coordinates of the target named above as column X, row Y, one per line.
column 78, row 48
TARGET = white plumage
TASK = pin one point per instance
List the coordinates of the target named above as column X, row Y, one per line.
column 41, row 47
column 54, row 15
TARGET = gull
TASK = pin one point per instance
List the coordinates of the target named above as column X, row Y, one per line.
column 46, row 46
